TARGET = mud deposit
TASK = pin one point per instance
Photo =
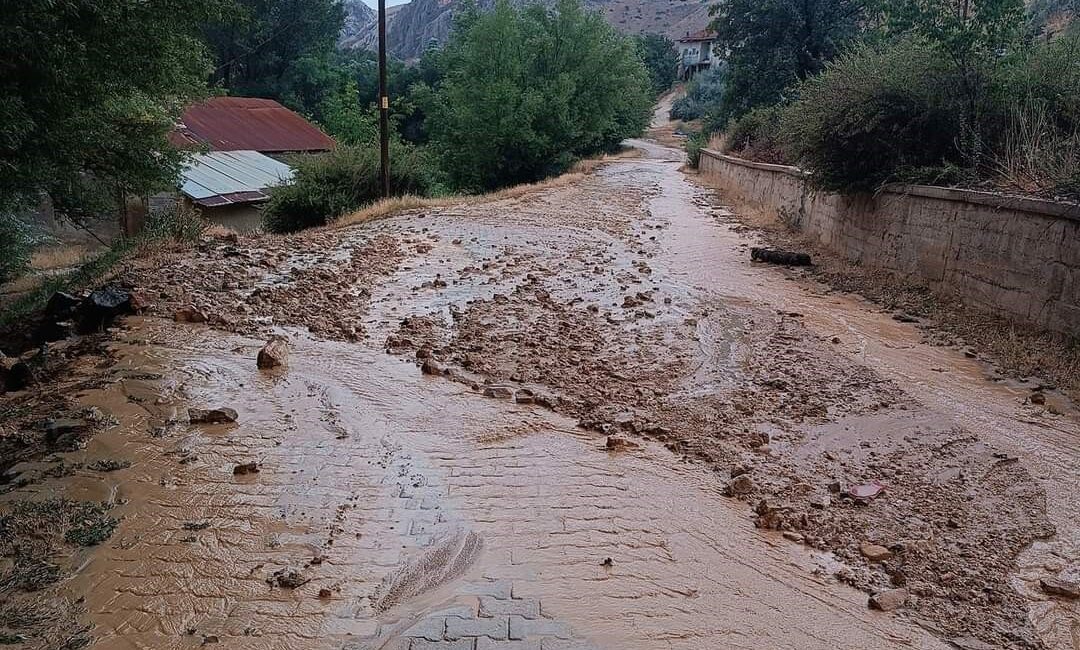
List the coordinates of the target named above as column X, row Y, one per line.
column 580, row 418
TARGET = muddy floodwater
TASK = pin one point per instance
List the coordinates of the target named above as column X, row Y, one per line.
column 601, row 364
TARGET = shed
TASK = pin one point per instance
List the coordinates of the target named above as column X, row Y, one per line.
column 227, row 185
column 247, row 124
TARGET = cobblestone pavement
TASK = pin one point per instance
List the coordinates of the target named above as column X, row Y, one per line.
column 398, row 511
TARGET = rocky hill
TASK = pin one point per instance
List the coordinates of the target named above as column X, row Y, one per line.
column 414, row 26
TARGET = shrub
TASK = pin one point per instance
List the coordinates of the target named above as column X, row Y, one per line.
column 876, row 114
column 327, row 186
column 17, row 242
column 755, row 136
column 694, row 144
column 704, row 95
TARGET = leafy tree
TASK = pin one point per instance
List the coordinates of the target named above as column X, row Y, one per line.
column 526, row 91
column 89, row 90
column 771, row 44
column 279, row 49
column 658, row 53
column 704, row 95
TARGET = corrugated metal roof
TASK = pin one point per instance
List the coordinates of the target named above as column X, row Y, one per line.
column 223, row 177
column 702, row 35
column 247, row 124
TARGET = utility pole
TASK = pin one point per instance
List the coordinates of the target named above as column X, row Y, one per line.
column 384, row 105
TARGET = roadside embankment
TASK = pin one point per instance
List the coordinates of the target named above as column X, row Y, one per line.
column 1014, row 256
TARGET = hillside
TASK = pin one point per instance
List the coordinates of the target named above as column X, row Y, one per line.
column 412, row 27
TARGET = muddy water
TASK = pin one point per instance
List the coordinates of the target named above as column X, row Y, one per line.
column 402, row 510
column 366, row 466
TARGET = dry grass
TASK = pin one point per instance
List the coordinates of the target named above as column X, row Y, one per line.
column 58, row 257
column 401, row 204
column 1015, row 349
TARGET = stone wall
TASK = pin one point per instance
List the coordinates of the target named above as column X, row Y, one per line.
column 1015, row 256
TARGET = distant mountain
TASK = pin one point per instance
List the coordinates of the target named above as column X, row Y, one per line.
column 412, row 27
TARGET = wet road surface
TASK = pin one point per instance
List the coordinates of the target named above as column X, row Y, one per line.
column 394, row 509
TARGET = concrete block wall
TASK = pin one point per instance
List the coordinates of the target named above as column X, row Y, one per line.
column 1015, row 256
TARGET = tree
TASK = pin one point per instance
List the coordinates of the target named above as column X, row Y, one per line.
column 278, row 49
column 771, row 44
column 526, row 91
column 661, row 60
column 89, row 90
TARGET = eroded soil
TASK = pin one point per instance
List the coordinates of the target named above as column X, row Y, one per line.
column 580, row 418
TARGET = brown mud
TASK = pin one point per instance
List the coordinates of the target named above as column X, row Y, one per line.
column 394, row 508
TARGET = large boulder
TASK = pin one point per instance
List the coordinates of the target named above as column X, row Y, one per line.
column 102, row 306
column 274, row 354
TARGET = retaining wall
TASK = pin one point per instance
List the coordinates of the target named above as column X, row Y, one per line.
column 1015, row 256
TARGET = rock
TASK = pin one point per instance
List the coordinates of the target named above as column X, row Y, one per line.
column 971, row 643
column 820, row 501
column 875, row 552
column 524, row 396
column 189, row 315
column 212, row 416
column 903, row 317
column 616, row 443
column 61, row 427
column 286, row 579
column 17, row 377
column 61, row 306
column 785, row 258
column 140, row 301
column 101, row 307
column 325, row 593
column 274, row 354
column 432, row 367
column 889, row 600
column 1059, row 587
column 866, row 491
column 499, row 392
column 741, row 484
column 1037, row 398
column 246, row 468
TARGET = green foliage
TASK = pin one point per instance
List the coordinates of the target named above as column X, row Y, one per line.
column 704, row 95
column 658, row 54
column 875, row 113
column 756, row 136
column 526, row 91
column 17, row 241
column 277, row 48
column 330, row 185
column 89, row 90
column 694, row 144
column 772, row 44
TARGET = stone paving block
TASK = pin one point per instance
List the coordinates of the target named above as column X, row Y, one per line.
column 523, row 628
column 496, row 588
column 429, row 628
column 490, row 606
column 484, row 643
column 459, row 644
column 496, row 628
column 550, row 643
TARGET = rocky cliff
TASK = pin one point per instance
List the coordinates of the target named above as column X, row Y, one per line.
column 414, row 26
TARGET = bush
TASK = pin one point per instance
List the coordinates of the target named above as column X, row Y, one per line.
column 17, row 242
column 327, row 186
column 755, row 136
column 704, row 96
column 876, row 114
column 694, row 144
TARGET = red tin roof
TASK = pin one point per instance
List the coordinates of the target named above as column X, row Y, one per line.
column 703, row 35
column 247, row 124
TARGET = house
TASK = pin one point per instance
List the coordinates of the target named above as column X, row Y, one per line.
column 237, row 145
column 696, row 53
column 247, row 124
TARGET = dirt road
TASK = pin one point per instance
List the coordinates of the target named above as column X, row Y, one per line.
column 624, row 436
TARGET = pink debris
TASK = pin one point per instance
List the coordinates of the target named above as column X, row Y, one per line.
column 866, row 490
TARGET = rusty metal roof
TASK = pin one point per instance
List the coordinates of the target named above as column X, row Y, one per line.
column 247, row 124
column 702, row 35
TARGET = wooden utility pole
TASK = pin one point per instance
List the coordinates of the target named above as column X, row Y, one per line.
column 384, row 105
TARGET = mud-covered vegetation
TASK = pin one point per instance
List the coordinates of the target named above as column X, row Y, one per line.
column 943, row 93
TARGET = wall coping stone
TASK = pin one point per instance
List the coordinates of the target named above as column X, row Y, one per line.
column 1057, row 209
